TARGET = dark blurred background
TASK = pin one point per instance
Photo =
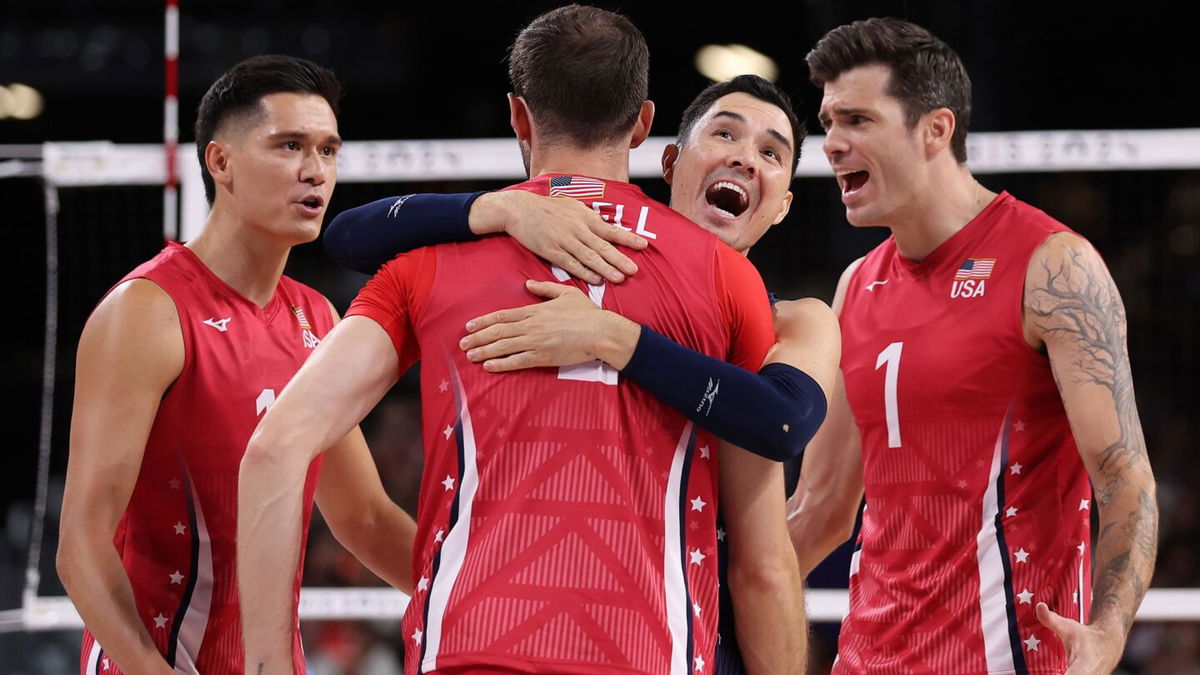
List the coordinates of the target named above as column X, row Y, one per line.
column 436, row 70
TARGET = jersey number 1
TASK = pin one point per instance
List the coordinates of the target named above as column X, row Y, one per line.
column 891, row 356
column 593, row 371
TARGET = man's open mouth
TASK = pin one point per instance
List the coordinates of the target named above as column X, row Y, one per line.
column 728, row 197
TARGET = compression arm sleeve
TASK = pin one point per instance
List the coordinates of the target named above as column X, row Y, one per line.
column 773, row 413
column 367, row 236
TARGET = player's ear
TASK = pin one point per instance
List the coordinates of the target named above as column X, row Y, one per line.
column 669, row 156
column 216, row 160
column 783, row 208
column 938, row 128
column 519, row 118
column 641, row 130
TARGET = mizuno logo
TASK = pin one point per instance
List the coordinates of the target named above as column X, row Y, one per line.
column 710, row 395
column 871, row 286
column 396, row 207
column 221, row 325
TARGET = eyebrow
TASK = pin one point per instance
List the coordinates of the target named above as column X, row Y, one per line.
column 741, row 118
column 332, row 139
column 824, row 115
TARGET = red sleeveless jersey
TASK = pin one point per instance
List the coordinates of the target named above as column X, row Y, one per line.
column 177, row 537
column 567, row 517
column 977, row 502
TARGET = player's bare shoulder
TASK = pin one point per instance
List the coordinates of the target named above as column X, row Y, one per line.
column 810, row 312
column 1068, row 289
column 839, row 296
column 136, row 325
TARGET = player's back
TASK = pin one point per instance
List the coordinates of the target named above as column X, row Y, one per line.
column 177, row 535
column 567, row 516
column 975, row 492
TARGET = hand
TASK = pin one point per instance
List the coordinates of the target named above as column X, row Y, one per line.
column 561, row 230
column 567, row 329
column 1090, row 649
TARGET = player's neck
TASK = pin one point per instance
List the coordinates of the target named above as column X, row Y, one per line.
column 938, row 213
column 609, row 163
column 240, row 257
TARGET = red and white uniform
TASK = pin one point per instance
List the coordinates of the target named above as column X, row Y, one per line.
column 177, row 537
column 567, row 517
column 977, row 502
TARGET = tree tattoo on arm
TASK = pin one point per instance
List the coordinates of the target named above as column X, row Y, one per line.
column 1073, row 304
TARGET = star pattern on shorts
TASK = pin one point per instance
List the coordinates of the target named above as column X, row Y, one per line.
column 447, row 431
column 417, row 635
column 448, row 483
column 1018, row 426
column 422, row 584
column 1022, row 555
column 441, row 534
column 160, row 621
column 1031, row 645
column 699, row 663
column 704, row 452
column 1025, row 597
column 698, row 504
column 176, row 577
column 1015, row 469
column 1012, row 511
column 179, row 528
column 696, row 556
column 443, row 386
column 1084, row 504
column 696, row 608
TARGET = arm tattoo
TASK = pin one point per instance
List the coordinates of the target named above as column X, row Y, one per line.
column 1074, row 301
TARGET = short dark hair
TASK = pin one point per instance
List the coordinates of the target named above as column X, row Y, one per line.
column 761, row 89
column 240, row 90
column 926, row 73
column 583, row 72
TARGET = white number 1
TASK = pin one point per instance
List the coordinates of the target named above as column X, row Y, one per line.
column 592, row 371
column 891, row 356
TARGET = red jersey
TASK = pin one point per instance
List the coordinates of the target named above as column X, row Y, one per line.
column 977, row 502
column 567, row 517
column 177, row 536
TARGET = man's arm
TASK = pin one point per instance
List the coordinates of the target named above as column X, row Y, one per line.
column 346, row 375
column 764, row 579
column 360, row 514
column 821, row 512
column 130, row 352
column 561, row 230
column 1074, row 308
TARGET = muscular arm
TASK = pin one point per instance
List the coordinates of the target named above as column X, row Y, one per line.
column 361, row 515
column 821, row 512
column 130, row 352
column 764, row 580
column 1073, row 307
column 346, row 375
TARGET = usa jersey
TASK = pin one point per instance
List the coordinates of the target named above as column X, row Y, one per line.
column 977, row 502
column 177, row 536
column 567, row 517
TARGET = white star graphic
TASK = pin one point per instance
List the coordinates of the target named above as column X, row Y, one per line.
column 962, row 483
column 443, row 386
column 179, row 528
column 160, row 621
column 441, row 534
column 1081, row 547
column 1022, row 555
column 1031, row 645
column 698, row 504
column 417, row 634
column 696, row 608
column 447, row 431
column 448, row 483
column 704, row 452
column 1019, row 426
column 1025, row 596
column 720, row 534
column 699, row 664
column 106, row 663
column 1083, row 504
column 1016, row 468
column 174, row 483
column 697, row 557
column 176, row 578
column 1012, row 511
column 422, row 584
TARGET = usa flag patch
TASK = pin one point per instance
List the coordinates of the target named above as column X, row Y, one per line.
column 576, row 187
column 975, row 268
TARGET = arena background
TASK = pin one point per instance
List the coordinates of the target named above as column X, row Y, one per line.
column 436, row 71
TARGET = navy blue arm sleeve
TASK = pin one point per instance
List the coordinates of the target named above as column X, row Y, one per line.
column 773, row 413
column 367, row 236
